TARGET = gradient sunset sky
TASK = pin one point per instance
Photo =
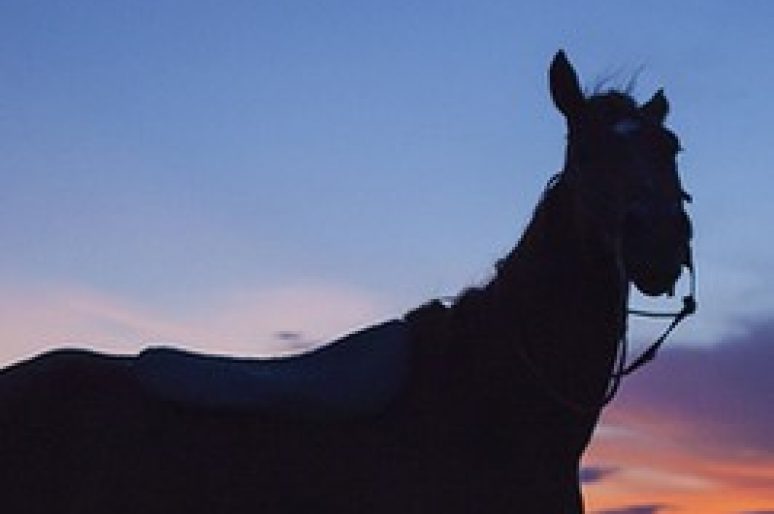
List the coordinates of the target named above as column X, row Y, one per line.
column 213, row 174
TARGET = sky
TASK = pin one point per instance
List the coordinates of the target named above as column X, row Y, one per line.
column 218, row 174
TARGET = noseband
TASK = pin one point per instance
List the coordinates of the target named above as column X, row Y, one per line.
column 622, row 367
column 689, row 308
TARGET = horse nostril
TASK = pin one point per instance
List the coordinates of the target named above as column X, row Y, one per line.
column 686, row 197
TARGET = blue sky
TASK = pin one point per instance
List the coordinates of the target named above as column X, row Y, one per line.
column 170, row 155
column 212, row 173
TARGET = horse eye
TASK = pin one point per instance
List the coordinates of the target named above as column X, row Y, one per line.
column 626, row 127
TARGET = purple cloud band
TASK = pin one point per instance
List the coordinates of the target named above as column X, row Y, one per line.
column 724, row 393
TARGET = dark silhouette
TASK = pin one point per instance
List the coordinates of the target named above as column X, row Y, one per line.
column 492, row 401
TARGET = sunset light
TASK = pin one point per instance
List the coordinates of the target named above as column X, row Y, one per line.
column 258, row 179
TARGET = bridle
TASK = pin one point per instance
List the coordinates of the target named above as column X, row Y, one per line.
column 622, row 368
column 649, row 354
column 688, row 309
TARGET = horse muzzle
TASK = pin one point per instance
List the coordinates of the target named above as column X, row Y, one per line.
column 656, row 248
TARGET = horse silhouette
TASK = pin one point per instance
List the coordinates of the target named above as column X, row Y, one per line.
column 481, row 405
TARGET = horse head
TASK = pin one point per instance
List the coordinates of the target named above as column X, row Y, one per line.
column 623, row 159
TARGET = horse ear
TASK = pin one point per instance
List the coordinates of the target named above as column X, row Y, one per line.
column 656, row 108
column 565, row 88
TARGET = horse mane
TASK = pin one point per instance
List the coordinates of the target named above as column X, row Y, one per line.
column 453, row 333
column 616, row 82
column 434, row 319
column 464, row 305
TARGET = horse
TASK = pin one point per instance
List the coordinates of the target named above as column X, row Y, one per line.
column 484, row 403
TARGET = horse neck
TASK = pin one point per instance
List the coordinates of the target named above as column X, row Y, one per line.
column 557, row 302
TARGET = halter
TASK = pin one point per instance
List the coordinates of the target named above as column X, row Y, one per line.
column 689, row 308
column 622, row 368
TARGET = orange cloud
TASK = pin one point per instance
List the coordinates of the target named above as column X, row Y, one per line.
column 691, row 434
column 662, row 470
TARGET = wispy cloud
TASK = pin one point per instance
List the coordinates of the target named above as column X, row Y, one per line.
column 255, row 322
column 636, row 509
column 593, row 474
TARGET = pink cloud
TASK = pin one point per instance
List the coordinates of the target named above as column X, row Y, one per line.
column 242, row 323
